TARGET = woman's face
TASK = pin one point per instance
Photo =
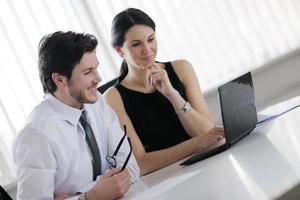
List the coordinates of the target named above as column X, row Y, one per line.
column 140, row 46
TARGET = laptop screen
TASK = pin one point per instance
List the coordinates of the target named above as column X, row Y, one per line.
column 238, row 108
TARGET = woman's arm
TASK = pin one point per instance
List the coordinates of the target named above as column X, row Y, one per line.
column 197, row 120
column 152, row 161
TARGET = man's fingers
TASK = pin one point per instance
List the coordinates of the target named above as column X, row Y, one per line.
column 111, row 172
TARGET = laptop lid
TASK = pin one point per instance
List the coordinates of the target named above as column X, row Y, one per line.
column 238, row 114
column 238, row 108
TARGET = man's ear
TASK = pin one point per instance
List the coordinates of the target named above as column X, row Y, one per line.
column 59, row 80
column 119, row 50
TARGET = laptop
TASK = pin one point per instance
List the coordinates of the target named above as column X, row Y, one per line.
column 239, row 115
column 4, row 195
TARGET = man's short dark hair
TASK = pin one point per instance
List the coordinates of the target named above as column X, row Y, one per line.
column 59, row 52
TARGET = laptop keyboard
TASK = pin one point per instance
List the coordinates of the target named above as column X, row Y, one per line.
column 204, row 155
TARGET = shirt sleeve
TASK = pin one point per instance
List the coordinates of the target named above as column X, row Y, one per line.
column 115, row 133
column 36, row 165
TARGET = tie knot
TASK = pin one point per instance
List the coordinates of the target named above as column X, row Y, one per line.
column 83, row 116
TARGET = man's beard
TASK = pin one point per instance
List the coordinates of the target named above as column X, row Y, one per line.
column 79, row 95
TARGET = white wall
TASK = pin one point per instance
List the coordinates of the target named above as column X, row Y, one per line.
column 273, row 82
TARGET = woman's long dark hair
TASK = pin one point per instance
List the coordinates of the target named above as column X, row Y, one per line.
column 121, row 23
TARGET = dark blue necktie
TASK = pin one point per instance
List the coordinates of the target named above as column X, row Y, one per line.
column 91, row 141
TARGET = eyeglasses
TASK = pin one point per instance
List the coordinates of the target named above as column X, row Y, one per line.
column 112, row 159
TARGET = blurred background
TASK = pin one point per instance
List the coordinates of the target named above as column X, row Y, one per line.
column 221, row 38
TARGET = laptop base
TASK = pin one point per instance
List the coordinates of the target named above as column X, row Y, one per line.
column 205, row 154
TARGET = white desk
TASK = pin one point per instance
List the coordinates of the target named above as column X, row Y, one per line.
column 264, row 165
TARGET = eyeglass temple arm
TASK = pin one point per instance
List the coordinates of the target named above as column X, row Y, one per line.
column 121, row 142
column 129, row 155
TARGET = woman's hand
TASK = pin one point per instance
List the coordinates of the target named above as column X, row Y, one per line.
column 158, row 78
column 211, row 137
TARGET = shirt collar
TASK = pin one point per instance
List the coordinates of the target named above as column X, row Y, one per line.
column 65, row 111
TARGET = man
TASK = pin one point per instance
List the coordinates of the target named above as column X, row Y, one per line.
column 63, row 149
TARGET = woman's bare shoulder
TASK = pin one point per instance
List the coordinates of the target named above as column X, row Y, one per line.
column 183, row 68
column 112, row 96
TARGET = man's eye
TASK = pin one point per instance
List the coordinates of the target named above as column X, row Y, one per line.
column 87, row 72
column 135, row 44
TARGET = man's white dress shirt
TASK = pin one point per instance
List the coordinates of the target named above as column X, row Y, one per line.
column 51, row 152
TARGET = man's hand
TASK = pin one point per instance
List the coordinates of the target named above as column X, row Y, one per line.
column 113, row 185
column 61, row 196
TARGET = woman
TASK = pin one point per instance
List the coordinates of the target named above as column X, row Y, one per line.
column 161, row 103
